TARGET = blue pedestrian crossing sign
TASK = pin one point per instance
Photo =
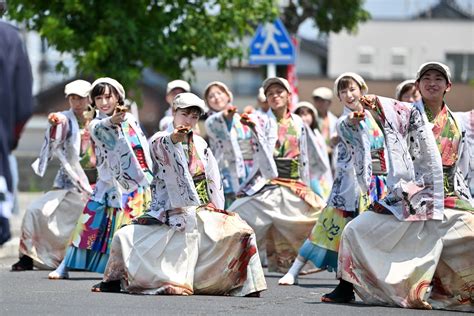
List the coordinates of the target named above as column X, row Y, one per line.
column 272, row 45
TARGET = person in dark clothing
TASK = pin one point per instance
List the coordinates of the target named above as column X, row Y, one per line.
column 16, row 108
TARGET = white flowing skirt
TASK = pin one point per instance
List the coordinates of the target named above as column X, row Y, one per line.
column 396, row 263
column 47, row 226
column 219, row 257
column 281, row 220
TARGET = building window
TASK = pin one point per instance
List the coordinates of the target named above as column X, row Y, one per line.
column 398, row 60
column 399, row 56
column 365, row 59
column 461, row 66
column 366, row 55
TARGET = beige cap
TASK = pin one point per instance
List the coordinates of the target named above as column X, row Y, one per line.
column 78, row 87
column 323, row 93
column 178, row 84
column 188, row 99
column 114, row 83
column 306, row 104
column 278, row 80
column 442, row 68
column 219, row 84
column 400, row 86
column 357, row 79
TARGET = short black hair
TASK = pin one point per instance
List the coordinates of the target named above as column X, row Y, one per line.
column 191, row 110
column 100, row 89
column 344, row 83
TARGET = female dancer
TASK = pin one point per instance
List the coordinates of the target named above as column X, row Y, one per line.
column 359, row 180
column 122, row 190
column 406, row 91
column 230, row 140
column 321, row 175
column 186, row 244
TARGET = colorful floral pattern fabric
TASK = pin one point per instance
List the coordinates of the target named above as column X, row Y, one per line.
column 99, row 221
column 326, row 234
column 448, row 138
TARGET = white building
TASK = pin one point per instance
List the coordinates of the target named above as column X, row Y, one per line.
column 394, row 49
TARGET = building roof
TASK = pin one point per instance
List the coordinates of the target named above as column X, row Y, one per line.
column 317, row 48
column 445, row 9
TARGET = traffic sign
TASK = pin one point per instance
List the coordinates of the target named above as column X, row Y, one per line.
column 272, row 45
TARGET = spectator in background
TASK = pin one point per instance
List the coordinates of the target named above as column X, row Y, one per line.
column 406, row 91
column 16, row 107
column 173, row 88
column 322, row 99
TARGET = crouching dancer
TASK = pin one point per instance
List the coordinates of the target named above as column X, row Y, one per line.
column 186, row 244
column 421, row 235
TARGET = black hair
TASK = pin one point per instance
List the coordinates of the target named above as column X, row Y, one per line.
column 100, row 89
column 313, row 125
column 405, row 89
column 345, row 82
column 192, row 110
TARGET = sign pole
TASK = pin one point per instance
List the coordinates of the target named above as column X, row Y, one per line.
column 271, row 70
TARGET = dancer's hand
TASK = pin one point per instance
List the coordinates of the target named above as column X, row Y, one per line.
column 229, row 112
column 180, row 133
column 118, row 116
column 356, row 117
column 56, row 119
column 246, row 120
column 371, row 103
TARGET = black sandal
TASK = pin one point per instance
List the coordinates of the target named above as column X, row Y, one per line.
column 25, row 263
column 110, row 286
column 343, row 293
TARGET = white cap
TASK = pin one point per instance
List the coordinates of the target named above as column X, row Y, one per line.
column 78, row 87
column 306, row 104
column 442, row 68
column 261, row 95
column 400, row 86
column 221, row 85
column 178, row 84
column 357, row 78
column 323, row 93
column 278, row 80
column 114, row 83
column 188, row 99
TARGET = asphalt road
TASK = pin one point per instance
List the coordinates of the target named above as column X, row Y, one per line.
column 31, row 293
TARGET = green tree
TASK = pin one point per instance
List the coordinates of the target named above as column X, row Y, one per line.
column 327, row 15
column 120, row 38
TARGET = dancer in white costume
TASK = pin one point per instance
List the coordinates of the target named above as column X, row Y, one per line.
column 50, row 220
column 186, row 243
column 277, row 198
column 421, row 235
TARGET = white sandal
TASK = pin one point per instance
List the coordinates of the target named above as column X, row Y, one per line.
column 56, row 276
